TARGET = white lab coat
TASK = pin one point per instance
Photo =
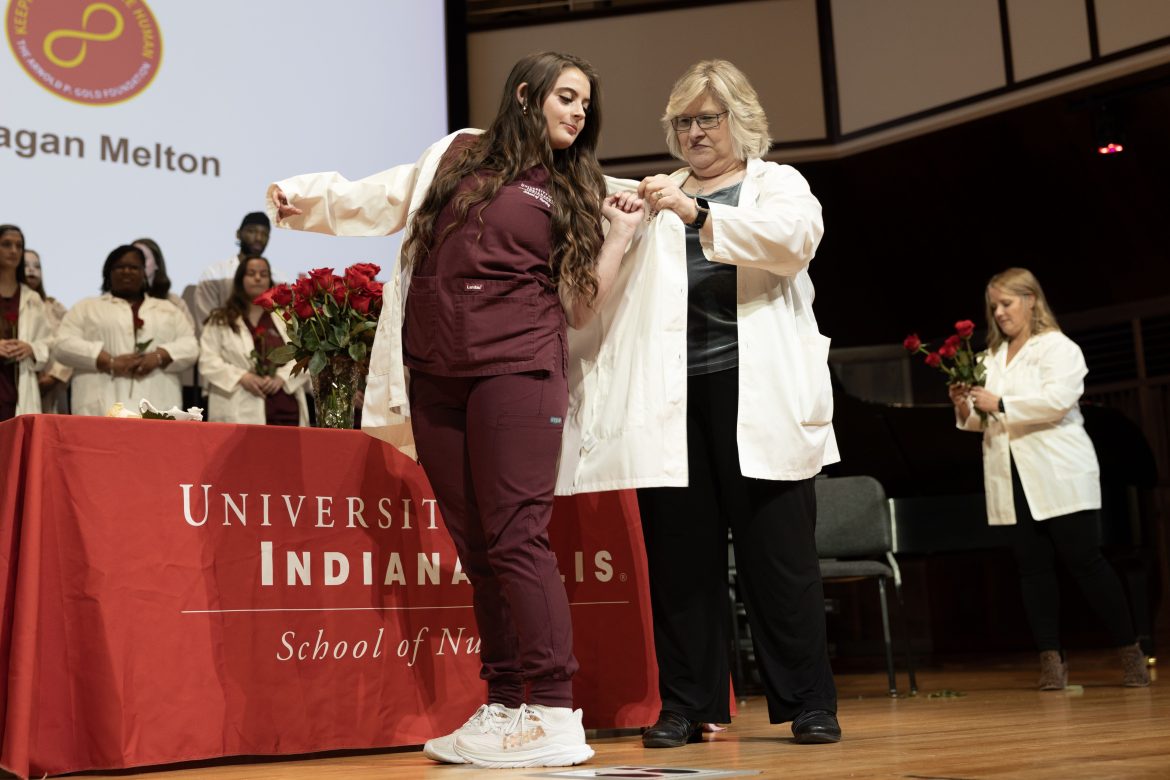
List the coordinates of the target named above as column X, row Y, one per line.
column 1042, row 430
column 33, row 327
column 224, row 357
column 628, row 367
column 627, row 377
column 106, row 322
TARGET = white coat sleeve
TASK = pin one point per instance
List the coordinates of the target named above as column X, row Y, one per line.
column 779, row 233
column 212, row 365
column 1062, row 383
column 72, row 347
column 37, row 330
column 973, row 423
column 182, row 347
column 374, row 206
column 377, row 205
column 210, row 294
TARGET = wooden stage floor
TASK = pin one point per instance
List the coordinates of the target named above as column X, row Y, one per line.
column 1001, row 727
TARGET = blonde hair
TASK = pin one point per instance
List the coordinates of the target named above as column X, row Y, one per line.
column 1021, row 282
column 731, row 89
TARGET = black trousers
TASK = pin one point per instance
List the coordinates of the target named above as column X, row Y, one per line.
column 773, row 530
column 1074, row 540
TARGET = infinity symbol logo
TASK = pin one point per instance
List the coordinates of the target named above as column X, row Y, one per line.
column 84, row 35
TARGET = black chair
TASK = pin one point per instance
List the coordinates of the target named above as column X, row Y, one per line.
column 855, row 541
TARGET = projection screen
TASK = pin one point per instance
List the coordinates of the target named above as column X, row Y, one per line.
column 122, row 119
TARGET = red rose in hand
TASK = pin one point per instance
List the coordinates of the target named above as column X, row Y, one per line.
column 947, row 350
column 265, row 299
column 259, row 331
column 281, row 294
column 965, row 328
column 933, row 360
column 912, row 342
column 952, row 342
column 138, row 323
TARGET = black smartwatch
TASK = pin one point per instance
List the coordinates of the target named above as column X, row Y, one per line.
column 701, row 217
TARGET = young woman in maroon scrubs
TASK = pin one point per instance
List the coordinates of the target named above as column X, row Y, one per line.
column 506, row 248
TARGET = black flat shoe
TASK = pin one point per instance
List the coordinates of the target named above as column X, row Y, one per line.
column 816, row 727
column 671, row 730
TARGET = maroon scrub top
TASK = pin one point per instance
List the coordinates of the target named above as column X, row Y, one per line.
column 483, row 303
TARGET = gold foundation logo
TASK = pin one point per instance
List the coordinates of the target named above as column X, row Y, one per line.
column 92, row 52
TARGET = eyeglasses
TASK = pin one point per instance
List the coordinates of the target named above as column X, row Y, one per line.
column 682, row 124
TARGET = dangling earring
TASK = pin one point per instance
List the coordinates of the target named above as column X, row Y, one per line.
column 524, row 109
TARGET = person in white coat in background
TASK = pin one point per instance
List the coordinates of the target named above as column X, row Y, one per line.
column 244, row 386
column 754, row 384
column 125, row 345
column 25, row 333
column 54, row 377
column 1040, row 470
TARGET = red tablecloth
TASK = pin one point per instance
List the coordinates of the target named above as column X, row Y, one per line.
column 179, row 591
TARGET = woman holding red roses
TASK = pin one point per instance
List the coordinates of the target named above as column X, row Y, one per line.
column 243, row 385
column 25, row 332
column 504, row 247
column 125, row 345
column 1040, row 470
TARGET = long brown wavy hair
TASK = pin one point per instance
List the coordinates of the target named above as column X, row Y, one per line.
column 514, row 142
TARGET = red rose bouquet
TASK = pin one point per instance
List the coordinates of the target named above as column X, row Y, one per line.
column 955, row 357
column 328, row 316
column 331, row 322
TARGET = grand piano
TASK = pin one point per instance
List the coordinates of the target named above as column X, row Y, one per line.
column 933, row 475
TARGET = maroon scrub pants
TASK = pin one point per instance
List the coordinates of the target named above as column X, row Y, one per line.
column 490, row 446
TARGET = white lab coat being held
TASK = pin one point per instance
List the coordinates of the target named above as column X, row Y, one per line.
column 627, row 370
column 107, row 322
column 225, row 355
column 33, row 327
column 1041, row 429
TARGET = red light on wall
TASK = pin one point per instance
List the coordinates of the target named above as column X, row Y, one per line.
column 1110, row 148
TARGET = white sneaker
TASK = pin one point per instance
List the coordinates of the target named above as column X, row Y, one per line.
column 489, row 717
column 536, row 736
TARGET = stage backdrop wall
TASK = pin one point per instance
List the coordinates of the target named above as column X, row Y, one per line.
column 96, row 93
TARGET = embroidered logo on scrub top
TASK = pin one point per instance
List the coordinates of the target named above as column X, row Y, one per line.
column 536, row 192
column 472, row 286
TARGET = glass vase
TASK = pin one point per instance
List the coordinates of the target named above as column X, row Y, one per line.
column 334, row 390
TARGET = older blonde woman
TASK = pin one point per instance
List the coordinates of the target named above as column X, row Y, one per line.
column 758, row 409
column 1040, row 470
